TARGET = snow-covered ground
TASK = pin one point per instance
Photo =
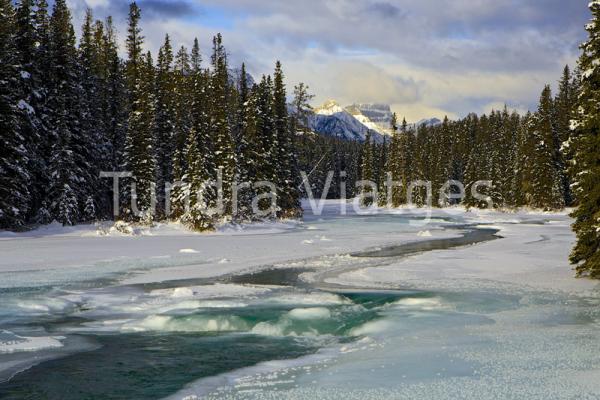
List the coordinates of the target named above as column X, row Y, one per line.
column 534, row 249
column 500, row 319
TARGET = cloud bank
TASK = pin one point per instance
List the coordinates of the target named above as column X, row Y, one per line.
column 425, row 57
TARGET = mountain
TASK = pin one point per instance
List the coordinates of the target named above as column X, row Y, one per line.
column 355, row 121
column 376, row 116
column 429, row 122
column 333, row 120
column 235, row 75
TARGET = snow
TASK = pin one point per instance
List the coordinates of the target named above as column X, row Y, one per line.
column 169, row 251
column 188, row 251
column 310, row 313
column 329, row 108
column 333, row 120
column 484, row 321
column 12, row 343
column 23, row 105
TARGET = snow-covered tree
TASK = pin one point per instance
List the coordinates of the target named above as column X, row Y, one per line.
column 14, row 177
column 140, row 145
column 546, row 191
column 68, row 210
column 224, row 152
column 585, row 144
column 69, row 164
column 165, row 117
column 89, row 210
column 244, row 133
column 564, row 104
column 285, row 157
column 368, row 173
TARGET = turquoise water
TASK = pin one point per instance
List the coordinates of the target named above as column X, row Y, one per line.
column 146, row 366
column 155, row 364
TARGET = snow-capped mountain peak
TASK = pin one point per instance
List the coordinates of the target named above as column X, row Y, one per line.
column 357, row 120
column 330, row 107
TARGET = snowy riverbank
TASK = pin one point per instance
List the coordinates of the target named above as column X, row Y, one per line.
column 268, row 309
column 534, row 248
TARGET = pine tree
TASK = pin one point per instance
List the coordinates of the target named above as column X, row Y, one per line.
column 114, row 97
column 193, row 165
column 547, row 182
column 140, row 146
column 38, row 85
column 395, row 161
column 382, row 156
column 196, row 216
column 68, row 213
column 564, row 113
column 224, row 156
column 302, row 109
column 368, row 174
column 407, row 148
column 89, row 211
column 585, row 144
column 69, row 165
column 183, row 83
column 285, row 157
column 29, row 91
column 94, row 142
column 245, row 157
column 477, row 166
column 165, row 118
column 267, row 144
column 14, row 177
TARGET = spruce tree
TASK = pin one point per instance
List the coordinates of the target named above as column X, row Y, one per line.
column 267, row 144
column 564, row 113
column 585, row 144
column 140, row 146
column 89, row 210
column 165, row 118
column 193, row 166
column 393, row 165
column 183, row 83
column 546, row 178
column 114, row 97
column 224, row 156
column 285, row 156
column 368, row 174
column 69, row 165
column 94, row 141
column 245, row 156
column 39, row 89
column 196, row 216
column 14, row 177
column 407, row 150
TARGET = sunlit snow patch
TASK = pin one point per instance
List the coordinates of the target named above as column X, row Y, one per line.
column 12, row 343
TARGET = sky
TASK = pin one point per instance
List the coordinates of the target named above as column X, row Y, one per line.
column 426, row 58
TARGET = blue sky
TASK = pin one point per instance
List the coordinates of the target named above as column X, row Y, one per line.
column 424, row 57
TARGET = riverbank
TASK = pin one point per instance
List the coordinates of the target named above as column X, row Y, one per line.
column 261, row 312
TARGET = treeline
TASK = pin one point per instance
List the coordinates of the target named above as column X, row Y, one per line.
column 70, row 110
column 323, row 157
column 522, row 156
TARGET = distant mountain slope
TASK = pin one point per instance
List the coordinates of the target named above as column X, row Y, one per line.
column 355, row 121
column 333, row 120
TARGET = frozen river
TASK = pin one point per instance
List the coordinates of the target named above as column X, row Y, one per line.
column 468, row 306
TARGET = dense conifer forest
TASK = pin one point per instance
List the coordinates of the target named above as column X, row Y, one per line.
column 71, row 108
